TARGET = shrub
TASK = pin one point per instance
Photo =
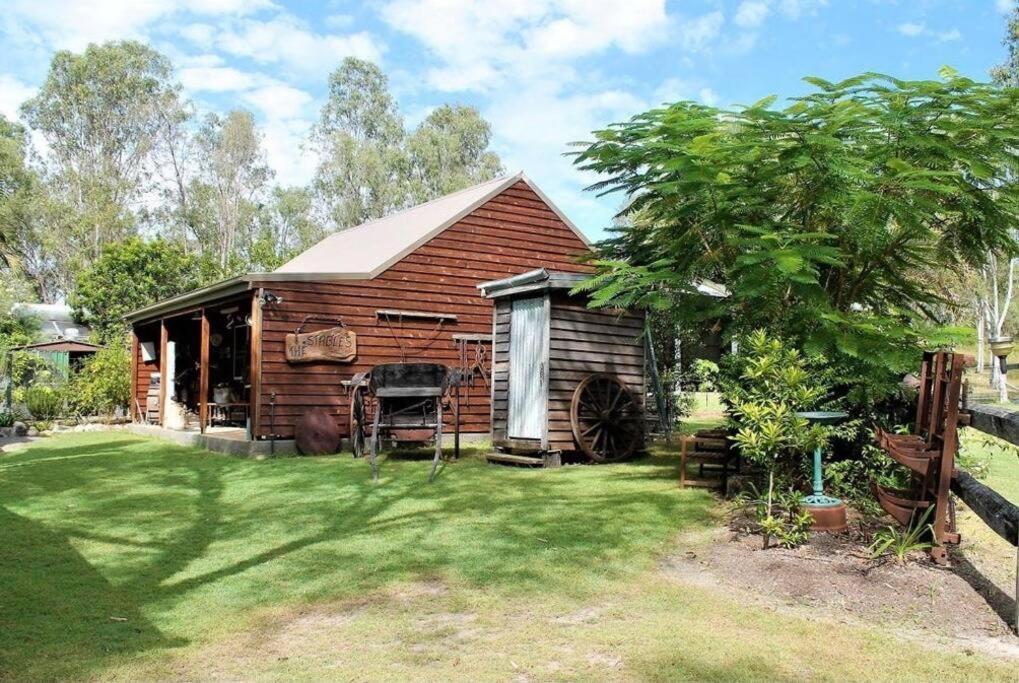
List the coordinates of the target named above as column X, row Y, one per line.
column 44, row 403
column 102, row 383
column 900, row 543
column 7, row 419
column 763, row 386
column 27, row 368
column 780, row 516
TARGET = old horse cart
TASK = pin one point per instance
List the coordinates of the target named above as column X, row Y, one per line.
column 401, row 403
column 566, row 379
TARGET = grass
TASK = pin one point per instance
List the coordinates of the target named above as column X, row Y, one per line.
column 126, row 559
column 993, row 556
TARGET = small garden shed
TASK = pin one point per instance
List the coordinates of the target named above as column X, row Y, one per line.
column 566, row 378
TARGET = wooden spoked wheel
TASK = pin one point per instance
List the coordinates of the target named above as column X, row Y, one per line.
column 606, row 418
column 358, row 421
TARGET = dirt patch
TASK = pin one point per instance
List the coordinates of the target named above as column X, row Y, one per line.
column 832, row 577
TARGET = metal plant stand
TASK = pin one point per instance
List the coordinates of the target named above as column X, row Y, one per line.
column 829, row 512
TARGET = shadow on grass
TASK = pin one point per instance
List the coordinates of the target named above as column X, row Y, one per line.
column 195, row 539
column 59, row 610
column 1003, row 604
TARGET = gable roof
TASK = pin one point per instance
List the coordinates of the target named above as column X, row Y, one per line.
column 71, row 345
column 365, row 251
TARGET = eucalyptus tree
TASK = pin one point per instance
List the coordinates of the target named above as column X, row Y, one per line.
column 449, row 151
column 31, row 222
column 369, row 166
column 286, row 227
column 820, row 217
column 100, row 112
column 17, row 191
column 359, row 139
column 230, row 188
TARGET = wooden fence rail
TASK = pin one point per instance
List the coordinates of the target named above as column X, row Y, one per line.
column 999, row 514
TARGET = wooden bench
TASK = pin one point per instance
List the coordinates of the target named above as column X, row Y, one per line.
column 712, row 452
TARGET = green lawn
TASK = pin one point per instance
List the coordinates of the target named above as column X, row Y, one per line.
column 124, row 558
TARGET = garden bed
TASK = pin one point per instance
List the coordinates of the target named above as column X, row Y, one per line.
column 833, row 577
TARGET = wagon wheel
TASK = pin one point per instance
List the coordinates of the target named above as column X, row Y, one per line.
column 606, row 418
column 357, row 421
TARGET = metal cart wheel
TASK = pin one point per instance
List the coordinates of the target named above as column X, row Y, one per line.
column 357, row 420
column 606, row 418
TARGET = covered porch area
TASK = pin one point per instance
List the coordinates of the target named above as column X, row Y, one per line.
column 195, row 365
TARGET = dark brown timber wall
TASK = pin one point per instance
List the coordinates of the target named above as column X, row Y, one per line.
column 512, row 233
column 581, row 342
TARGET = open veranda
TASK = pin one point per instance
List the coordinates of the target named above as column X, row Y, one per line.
column 125, row 558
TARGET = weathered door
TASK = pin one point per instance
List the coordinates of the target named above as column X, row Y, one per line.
column 528, row 327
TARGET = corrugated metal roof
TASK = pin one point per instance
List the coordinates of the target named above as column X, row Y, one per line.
column 368, row 249
column 539, row 279
column 361, row 252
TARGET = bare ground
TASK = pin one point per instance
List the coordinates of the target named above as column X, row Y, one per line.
column 832, row 578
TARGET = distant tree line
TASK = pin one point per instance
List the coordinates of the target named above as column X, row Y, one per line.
column 115, row 190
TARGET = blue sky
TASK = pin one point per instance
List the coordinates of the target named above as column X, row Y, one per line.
column 543, row 72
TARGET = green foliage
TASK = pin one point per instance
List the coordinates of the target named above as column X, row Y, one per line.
column 449, row 151
column 127, row 276
column 7, row 418
column 821, row 229
column 369, row 167
column 899, row 543
column 17, row 330
column 286, row 228
column 44, row 402
column 103, row 383
column 705, row 373
column 101, row 113
column 27, row 368
column 17, row 186
column 779, row 515
column 763, row 386
column 683, row 405
column 850, row 478
column 227, row 193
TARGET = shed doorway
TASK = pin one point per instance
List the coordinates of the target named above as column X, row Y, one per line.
column 528, row 336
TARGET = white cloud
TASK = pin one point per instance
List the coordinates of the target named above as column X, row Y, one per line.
column 675, row 89
column 794, row 9
column 751, row 13
column 12, row 93
column 917, row 29
column 708, row 96
column 948, row 36
column 73, row 24
column 278, row 101
column 1005, row 6
column 199, row 34
column 590, row 27
column 216, row 79
column 283, row 142
column 481, row 46
column 287, row 40
column 696, row 34
column 912, row 29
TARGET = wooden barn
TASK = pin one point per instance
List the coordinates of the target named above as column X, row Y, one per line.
column 257, row 351
column 566, row 378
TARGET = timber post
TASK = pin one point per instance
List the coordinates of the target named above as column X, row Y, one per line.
column 255, row 398
column 164, row 338
column 203, row 374
column 133, row 408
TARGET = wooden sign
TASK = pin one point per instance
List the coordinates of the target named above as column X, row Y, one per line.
column 336, row 344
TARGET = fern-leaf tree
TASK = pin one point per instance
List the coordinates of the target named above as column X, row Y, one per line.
column 824, row 218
